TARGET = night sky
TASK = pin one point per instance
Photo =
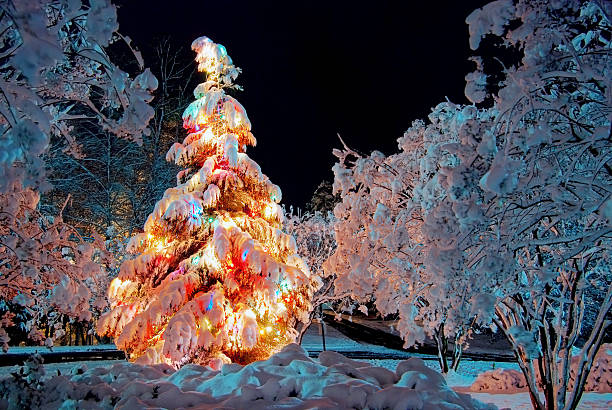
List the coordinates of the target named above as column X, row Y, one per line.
column 312, row 70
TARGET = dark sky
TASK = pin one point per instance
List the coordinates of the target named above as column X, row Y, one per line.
column 311, row 70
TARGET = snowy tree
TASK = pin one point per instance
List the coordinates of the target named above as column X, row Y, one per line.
column 48, row 270
column 384, row 242
column 544, row 187
column 506, row 217
column 314, row 235
column 56, row 73
column 215, row 278
column 115, row 183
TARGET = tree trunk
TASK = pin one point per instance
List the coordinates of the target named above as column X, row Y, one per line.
column 457, row 355
column 322, row 326
column 442, row 345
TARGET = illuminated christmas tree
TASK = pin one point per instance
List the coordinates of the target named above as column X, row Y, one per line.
column 215, row 279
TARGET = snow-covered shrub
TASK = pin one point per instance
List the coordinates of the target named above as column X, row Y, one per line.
column 314, row 236
column 600, row 376
column 506, row 380
column 23, row 389
column 288, row 379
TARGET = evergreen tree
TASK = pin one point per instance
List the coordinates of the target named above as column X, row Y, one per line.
column 215, row 279
column 323, row 199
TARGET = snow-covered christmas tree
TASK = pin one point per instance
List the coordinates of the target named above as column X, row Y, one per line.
column 215, row 278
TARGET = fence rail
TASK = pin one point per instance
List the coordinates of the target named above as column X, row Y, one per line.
column 355, row 331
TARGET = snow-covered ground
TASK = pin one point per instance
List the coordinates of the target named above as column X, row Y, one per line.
column 289, row 380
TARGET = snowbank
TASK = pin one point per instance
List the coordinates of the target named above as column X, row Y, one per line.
column 288, row 379
column 509, row 380
column 600, row 377
column 500, row 380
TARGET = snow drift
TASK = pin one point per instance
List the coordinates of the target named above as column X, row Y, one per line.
column 511, row 381
column 288, row 379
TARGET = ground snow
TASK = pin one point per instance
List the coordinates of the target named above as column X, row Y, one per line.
column 288, row 379
column 190, row 378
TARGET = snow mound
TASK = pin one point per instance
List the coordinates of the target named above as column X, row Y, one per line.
column 600, row 377
column 510, row 381
column 288, row 379
column 506, row 380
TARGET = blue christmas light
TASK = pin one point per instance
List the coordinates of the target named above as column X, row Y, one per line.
column 195, row 260
column 196, row 209
column 283, row 286
column 244, row 254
